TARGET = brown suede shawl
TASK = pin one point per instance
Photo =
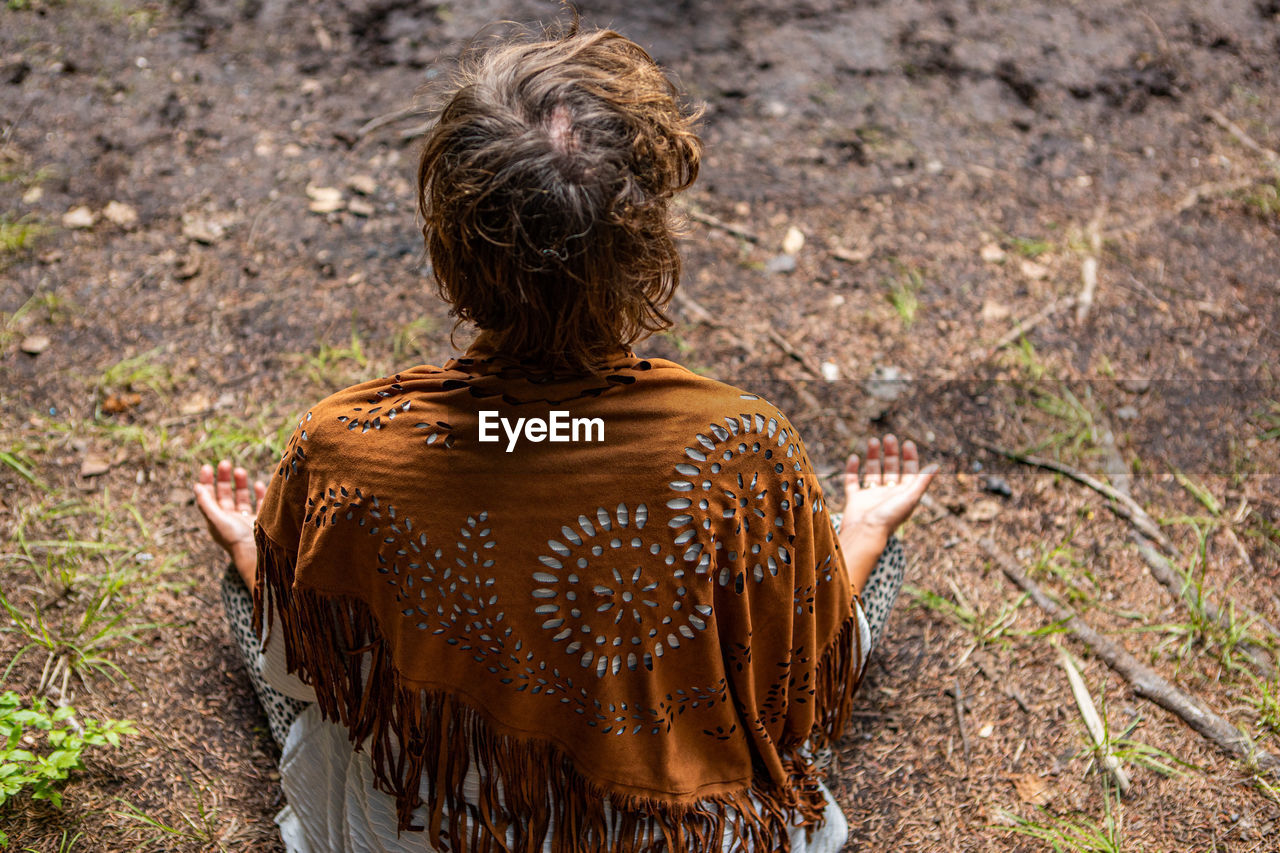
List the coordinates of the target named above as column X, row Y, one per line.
column 630, row 637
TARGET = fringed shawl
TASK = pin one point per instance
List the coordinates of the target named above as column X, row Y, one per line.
column 632, row 638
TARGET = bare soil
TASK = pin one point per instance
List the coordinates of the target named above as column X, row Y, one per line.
column 954, row 168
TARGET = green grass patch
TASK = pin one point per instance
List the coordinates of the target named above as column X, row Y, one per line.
column 1030, row 248
column 1264, row 200
column 19, row 234
column 904, row 294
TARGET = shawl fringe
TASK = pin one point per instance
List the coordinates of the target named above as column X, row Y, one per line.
column 526, row 784
column 838, row 676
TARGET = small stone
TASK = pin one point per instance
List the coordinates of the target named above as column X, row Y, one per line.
column 1033, row 270
column 793, row 242
column 1127, row 413
column 987, row 731
column 992, row 254
column 78, row 217
column 1135, row 386
column 780, row 264
column 830, row 371
column 997, row 485
column 363, row 184
column 993, row 311
column 325, row 199
column 201, row 229
column 33, row 195
column 360, row 207
column 119, row 213
column 94, row 464
column 933, row 167
column 291, row 149
column 35, row 344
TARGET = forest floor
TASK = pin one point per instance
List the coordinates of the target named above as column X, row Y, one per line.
column 1052, row 227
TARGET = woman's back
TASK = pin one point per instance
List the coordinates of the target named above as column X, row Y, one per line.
column 631, row 634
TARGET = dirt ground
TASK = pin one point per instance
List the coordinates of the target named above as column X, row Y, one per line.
column 208, row 222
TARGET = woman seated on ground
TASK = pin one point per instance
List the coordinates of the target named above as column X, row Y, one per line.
column 554, row 595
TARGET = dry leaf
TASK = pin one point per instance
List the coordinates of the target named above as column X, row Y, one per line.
column 119, row 213
column 325, row 199
column 994, row 311
column 93, row 464
column 117, row 403
column 1031, row 788
column 35, row 344
column 1034, row 271
column 363, row 184
column 992, row 254
column 78, row 217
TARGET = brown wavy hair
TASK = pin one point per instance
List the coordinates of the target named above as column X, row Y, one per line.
column 545, row 189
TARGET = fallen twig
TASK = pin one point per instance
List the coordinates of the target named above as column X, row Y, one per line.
column 1144, row 681
column 1169, row 577
column 1089, row 267
column 1122, row 505
column 1022, row 327
column 957, row 705
column 711, row 222
column 383, row 120
column 851, row 256
column 787, row 347
column 1147, row 531
column 1244, row 138
column 1193, row 197
column 1092, row 722
column 696, row 311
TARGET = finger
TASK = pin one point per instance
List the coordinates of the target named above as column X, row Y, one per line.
column 851, row 473
column 206, row 475
column 259, row 491
column 206, row 501
column 871, row 475
column 225, row 490
column 241, row 480
column 891, row 460
column 910, row 458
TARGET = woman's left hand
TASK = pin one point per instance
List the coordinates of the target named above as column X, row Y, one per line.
column 229, row 508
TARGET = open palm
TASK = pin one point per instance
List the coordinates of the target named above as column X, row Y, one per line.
column 885, row 491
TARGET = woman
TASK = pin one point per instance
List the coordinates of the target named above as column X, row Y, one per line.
column 558, row 596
